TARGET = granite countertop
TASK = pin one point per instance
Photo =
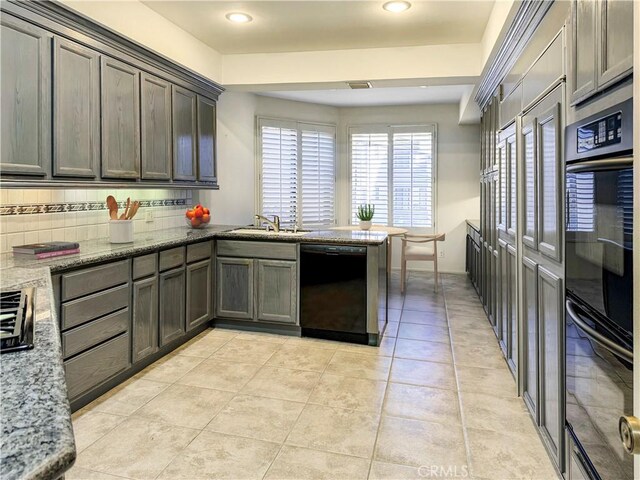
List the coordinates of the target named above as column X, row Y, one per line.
column 95, row 251
column 475, row 224
column 37, row 436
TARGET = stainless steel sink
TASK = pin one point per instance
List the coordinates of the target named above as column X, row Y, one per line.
column 263, row 232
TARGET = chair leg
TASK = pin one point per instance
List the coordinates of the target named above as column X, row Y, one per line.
column 435, row 271
column 403, row 273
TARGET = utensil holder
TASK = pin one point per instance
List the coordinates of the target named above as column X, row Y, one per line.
column 120, row 231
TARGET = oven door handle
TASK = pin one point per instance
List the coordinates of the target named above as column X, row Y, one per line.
column 599, row 165
column 598, row 337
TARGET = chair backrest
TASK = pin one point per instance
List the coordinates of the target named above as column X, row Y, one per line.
column 423, row 238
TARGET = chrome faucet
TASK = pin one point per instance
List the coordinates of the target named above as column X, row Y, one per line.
column 275, row 224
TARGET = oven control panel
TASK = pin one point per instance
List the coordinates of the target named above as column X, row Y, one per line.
column 600, row 133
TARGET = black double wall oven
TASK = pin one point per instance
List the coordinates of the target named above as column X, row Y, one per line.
column 599, row 288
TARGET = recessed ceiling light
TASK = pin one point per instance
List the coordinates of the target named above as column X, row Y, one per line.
column 239, row 17
column 396, row 6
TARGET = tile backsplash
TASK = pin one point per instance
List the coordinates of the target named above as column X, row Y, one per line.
column 29, row 216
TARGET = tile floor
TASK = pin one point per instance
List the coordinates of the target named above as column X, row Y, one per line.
column 434, row 401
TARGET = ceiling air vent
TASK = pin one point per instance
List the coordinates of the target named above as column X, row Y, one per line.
column 359, row 85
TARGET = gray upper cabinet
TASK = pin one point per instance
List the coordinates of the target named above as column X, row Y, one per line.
column 172, row 305
column 616, row 41
column 145, row 318
column 199, row 293
column 155, row 124
column 601, row 45
column 528, row 137
column 277, row 291
column 76, row 107
column 234, row 287
column 25, row 82
column 184, row 134
column 120, row 106
column 206, row 140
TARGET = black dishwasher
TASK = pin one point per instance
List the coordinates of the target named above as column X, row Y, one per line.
column 333, row 292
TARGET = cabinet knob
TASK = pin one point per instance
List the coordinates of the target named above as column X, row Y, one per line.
column 629, row 428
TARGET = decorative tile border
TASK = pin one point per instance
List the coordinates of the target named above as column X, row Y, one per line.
column 81, row 206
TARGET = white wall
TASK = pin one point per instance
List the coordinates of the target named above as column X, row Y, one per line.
column 458, row 186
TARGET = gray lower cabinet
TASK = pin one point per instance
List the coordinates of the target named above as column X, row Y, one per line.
column 207, row 171
column 512, row 311
column 199, row 293
column 530, row 335
column 145, row 318
column 155, row 125
column 172, row 305
column 234, row 287
column 184, row 134
column 277, row 291
column 25, row 83
column 503, row 289
column 120, row 107
column 76, row 110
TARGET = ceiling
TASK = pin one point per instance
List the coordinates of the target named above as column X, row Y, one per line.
column 295, row 26
column 377, row 96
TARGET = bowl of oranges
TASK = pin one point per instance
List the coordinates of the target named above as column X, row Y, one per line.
column 198, row 216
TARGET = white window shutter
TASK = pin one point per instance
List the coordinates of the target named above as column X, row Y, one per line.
column 580, row 202
column 318, row 177
column 370, row 174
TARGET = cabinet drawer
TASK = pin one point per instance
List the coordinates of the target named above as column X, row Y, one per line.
column 145, row 265
column 87, row 308
column 93, row 333
column 90, row 280
column 270, row 250
column 93, row 367
column 171, row 258
column 198, row 251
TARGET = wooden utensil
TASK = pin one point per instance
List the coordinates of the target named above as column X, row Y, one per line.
column 134, row 209
column 126, row 209
column 112, row 205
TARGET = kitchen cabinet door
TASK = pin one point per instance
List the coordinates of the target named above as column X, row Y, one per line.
column 76, row 107
column 512, row 311
column 199, row 293
column 155, row 123
column 530, row 335
column 277, row 291
column 234, row 288
column 512, row 160
column 616, row 42
column 549, row 191
column 120, row 107
column 184, row 133
column 145, row 318
column 25, row 82
column 172, row 305
column 582, row 57
column 503, row 302
column 207, row 171
column 551, row 314
column 503, row 172
column 529, row 183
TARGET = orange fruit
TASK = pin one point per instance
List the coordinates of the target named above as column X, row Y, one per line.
column 199, row 212
column 195, row 222
column 206, row 218
column 206, row 211
column 190, row 214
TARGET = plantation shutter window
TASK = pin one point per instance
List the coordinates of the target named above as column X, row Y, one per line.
column 297, row 172
column 370, row 174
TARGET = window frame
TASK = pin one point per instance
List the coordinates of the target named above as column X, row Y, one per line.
column 390, row 130
column 298, row 126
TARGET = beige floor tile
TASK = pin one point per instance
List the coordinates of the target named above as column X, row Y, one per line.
column 170, row 368
column 214, row 455
column 79, row 473
column 283, row 383
column 429, row 333
column 498, row 382
column 294, row 463
column 336, row 430
column 486, row 356
column 301, row 357
column 246, row 351
column 394, row 314
column 262, row 418
column 222, row 332
column 89, row 426
column 392, row 329
column 356, row 365
column 505, row 455
column 467, row 322
column 428, row 374
column 488, row 412
column 413, row 442
column 127, row 397
column 263, row 337
column 185, row 406
column 423, row 350
column 137, row 448
column 480, row 336
column 219, row 375
column 385, row 348
column 422, row 403
column 437, row 318
column 349, row 392
column 203, row 345
column 390, row 471
column 314, row 342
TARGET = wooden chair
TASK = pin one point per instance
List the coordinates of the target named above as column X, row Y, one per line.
column 426, row 250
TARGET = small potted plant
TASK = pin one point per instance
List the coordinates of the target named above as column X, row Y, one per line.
column 365, row 214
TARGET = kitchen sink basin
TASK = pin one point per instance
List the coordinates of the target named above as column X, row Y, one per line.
column 260, row 231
